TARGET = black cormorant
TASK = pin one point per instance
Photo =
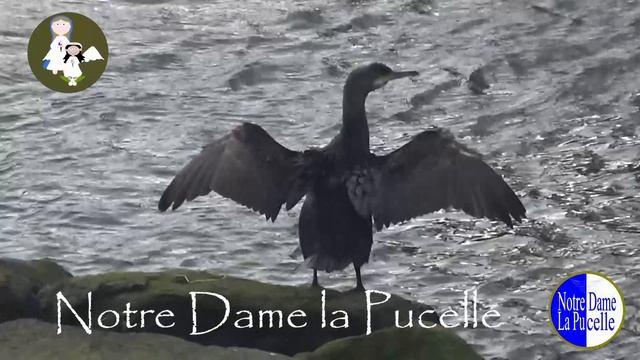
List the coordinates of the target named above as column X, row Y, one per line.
column 348, row 189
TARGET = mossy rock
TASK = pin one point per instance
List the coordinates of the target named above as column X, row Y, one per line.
column 170, row 290
column 20, row 281
column 37, row 340
column 397, row 344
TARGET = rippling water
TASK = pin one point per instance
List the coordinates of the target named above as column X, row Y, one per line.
column 80, row 174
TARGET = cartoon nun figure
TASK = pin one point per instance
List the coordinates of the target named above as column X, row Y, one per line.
column 73, row 58
column 60, row 28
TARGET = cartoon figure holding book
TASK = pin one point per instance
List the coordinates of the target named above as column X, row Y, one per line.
column 60, row 32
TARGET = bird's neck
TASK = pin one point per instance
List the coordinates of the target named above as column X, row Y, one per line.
column 355, row 128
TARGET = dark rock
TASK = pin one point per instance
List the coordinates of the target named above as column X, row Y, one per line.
column 592, row 163
column 170, row 290
column 35, row 340
column 393, row 344
column 20, row 281
column 477, row 82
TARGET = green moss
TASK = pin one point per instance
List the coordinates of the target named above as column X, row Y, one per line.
column 35, row 340
column 20, row 281
column 397, row 344
column 170, row 290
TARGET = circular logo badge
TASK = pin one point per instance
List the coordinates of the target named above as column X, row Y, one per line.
column 67, row 52
column 587, row 310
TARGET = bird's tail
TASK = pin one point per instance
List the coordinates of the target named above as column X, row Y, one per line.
column 326, row 263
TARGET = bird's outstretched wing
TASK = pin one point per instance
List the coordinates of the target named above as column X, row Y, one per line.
column 92, row 54
column 434, row 172
column 247, row 166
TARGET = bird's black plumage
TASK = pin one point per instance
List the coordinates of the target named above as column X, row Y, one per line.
column 348, row 189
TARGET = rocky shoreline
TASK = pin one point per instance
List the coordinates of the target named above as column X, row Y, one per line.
column 196, row 315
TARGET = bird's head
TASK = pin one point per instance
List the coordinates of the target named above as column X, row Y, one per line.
column 374, row 76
